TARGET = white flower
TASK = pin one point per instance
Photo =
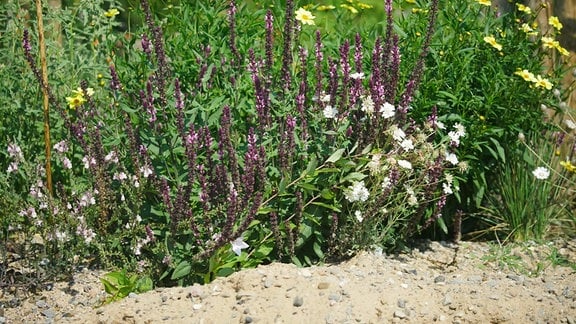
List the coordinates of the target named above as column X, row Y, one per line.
column 61, row 147
column 454, row 137
column 358, row 215
column 386, row 183
column 446, row 188
column 330, row 112
column 412, row 200
column 405, row 164
column 12, row 167
column 407, row 145
column 460, row 130
column 374, row 164
column 146, row 171
column 452, row 158
column 325, row 98
column 357, row 192
column 570, row 124
column 541, row 173
column 367, row 105
column 238, row 245
column 357, row 76
column 111, row 157
column 120, row 176
column 387, row 110
column 67, row 163
column 397, row 133
column 440, row 125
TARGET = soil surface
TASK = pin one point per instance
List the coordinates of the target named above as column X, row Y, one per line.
column 435, row 282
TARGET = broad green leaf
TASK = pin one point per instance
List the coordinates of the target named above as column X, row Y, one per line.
column 336, row 156
column 182, row 269
column 353, row 176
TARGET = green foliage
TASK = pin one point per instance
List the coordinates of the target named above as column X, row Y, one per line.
column 119, row 284
column 195, row 147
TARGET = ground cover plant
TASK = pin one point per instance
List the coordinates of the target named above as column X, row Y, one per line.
column 183, row 149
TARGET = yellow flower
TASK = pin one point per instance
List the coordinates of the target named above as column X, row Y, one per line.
column 568, row 166
column 526, row 75
column 526, row 28
column 78, row 99
column 487, row 3
column 492, row 41
column 524, row 8
column 542, row 83
column 549, row 42
column 111, row 13
column 305, row 16
column 349, row 7
column 555, row 22
column 325, row 8
column 362, row 5
column 562, row 50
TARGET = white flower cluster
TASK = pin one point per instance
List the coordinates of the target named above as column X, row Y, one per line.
column 458, row 132
column 357, row 192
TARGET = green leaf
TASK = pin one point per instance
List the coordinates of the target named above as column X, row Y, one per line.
column 318, row 250
column 144, row 284
column 307, row 186
column 442, row 224
column 311, row 166
column 336, row 156
column 331, row 207
column 353, row 176
column 500, row 150
column 182, row 269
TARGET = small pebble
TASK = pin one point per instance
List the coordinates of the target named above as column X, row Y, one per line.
column 41, row 304
column 49, row 313
column 401, row 303
column 439, row 279
column 196, row 306
column 323, row 285
column 400, row 314
column 447, row 300
column 248, row 319
column 298, row 301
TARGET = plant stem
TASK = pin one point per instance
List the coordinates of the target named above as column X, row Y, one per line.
column 42, row 45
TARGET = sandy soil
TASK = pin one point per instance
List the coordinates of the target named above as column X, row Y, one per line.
column 437, row 282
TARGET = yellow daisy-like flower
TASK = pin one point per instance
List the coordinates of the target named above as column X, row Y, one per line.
column 523, row 8
column 555, row 22
column 112, row 13
column 492, row 41
column 349, row 7
column 78, row 99
column 543, row 83
column 526, row 75
column 526, row 28
column 325, row 7
column 562, row 50
column 568, row 166
column 549, row 42
column 305, row 17
column 487, row 3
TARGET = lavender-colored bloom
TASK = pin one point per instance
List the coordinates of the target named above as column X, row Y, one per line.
column 287, row 46
column 114, row 80
column 269, row 19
